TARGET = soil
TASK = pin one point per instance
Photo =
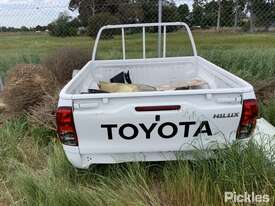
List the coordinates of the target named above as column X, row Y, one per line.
column 3, row 203
column 2, row 105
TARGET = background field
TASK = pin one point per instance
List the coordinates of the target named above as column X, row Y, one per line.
column 34, row 170
column 251, row 56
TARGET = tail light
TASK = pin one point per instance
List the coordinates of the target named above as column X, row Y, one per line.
column 65, row 126
column 248, row 119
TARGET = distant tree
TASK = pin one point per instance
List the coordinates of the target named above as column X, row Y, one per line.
column 218, row 13
column 227, row 13
column 262, row 12
column 3, row 29
column 150, row 9
column 12, row 29
column 128, row 11
column 88, row 8
column 239, row 6
column 198, row 13
column 85, row 8
column 133, row 14
column 24, row 28
column 211, row 10
column 98, row 20
column 184, row 13
column 76, row 22
column 169, row 12
column 63, row 26
column 40, row 28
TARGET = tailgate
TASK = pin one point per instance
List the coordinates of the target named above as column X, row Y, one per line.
column 156, row 124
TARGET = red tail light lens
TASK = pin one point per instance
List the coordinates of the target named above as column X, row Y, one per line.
column 248, row 119
column 65, row 126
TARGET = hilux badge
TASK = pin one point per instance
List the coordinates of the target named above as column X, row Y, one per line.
column 225, row 115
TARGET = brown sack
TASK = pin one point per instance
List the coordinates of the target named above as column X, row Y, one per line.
column 119, row 87
column 193, row 84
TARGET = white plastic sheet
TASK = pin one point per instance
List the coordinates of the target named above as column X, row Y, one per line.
column 264, row 135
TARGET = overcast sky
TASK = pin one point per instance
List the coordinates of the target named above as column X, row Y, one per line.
column 31, row 13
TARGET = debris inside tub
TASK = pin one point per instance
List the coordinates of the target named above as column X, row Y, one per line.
column 122, row 82
column 122, row 87
column 122, row 77
column 183, row 85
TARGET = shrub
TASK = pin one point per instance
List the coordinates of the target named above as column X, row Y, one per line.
column 25, row 86
column 43, row 114
column 99, row 20
column 245, row 25
column 64, row 61
column 63, row 27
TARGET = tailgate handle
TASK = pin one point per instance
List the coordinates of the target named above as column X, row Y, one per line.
column 229, row 99
column 157, row 108
column 85, row 105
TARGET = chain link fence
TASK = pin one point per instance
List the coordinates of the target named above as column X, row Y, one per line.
column 31, row 29
column 84, row 17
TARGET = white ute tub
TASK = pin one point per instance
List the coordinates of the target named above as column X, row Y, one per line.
column 108, row 128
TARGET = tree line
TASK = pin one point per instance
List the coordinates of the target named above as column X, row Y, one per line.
column 244, row 14
column 247, row 14
column 93, row 14
column 23, row 29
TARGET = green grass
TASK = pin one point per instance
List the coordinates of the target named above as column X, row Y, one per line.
column 16, row 48
column 251, row 56
column 35, row 171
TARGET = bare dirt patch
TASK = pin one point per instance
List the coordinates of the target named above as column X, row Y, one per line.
column 3, row 204
column 2, row 105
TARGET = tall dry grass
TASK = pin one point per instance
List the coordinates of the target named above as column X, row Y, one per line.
column 64, row 61
column 35, row 171
column 25, row 86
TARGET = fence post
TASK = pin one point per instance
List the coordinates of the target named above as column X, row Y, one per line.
column 1, row 84
column 219, row 16
column 252, row 16
column 236, row 8
column 252, row 21
column 159, row 28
